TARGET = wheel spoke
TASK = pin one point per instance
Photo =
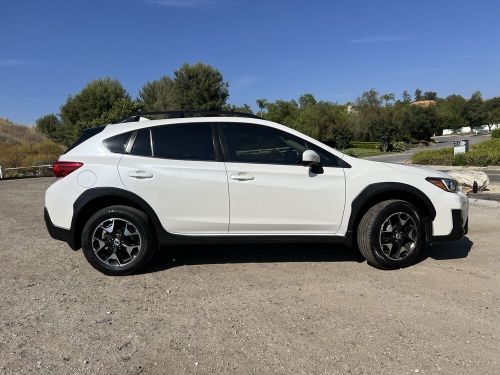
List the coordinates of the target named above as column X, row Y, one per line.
column 101, row 243
column 398, row 236
column 116, row 242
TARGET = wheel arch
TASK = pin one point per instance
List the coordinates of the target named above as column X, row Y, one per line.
column 378, row 192
column 95, row 199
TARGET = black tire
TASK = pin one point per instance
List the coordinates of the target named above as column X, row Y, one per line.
column 140, row 230
column 370, row 236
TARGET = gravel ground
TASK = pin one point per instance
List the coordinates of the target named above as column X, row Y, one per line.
column 304, row 309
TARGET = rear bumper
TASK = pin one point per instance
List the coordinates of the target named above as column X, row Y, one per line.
column 58, row 233
column 459, row 229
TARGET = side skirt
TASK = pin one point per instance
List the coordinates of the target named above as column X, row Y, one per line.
column 165, row 238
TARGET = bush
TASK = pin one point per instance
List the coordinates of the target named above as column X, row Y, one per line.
column 29, row 154
column 483, row 154
column 495, row 133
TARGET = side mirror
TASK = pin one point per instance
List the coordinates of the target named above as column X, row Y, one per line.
column 312, row 160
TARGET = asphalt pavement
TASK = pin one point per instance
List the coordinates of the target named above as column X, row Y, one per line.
column 441, row 142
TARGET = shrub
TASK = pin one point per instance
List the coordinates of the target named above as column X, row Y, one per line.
column 483, row 154
column 28, row 154
column 442, row 156
column 495, row 133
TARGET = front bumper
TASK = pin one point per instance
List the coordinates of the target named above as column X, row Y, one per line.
column 57, row 233
column 459, row 229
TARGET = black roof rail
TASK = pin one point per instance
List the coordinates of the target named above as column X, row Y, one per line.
column 185, row 114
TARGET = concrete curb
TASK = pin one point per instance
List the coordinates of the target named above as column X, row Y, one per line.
column 484, row 203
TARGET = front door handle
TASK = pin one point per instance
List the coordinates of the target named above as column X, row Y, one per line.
column 242, row 176
column 140, row 174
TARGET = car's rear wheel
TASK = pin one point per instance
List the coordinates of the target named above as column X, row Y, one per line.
column 118, row 240
column 390, row 234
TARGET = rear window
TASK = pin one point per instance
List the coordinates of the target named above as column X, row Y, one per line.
column 117, row 143
column 183, row 142
column 142, row 144
column 86, row 134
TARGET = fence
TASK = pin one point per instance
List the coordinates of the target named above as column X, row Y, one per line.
column 30, row 171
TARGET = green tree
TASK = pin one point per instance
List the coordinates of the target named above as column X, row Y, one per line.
column 406, row 97
column 492, row 109
column 418, row 95
column 307, row 100
column 262, row 104
column 474, row 111
column 384, row 127
column 199, row 86
column 100, row 102
column 282, row 111
column 49, row 126
column 430, row 95
column 421, row 123
column 157, row 95
column 245, row 108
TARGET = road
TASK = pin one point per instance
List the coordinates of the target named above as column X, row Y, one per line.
column 296, row 309
column 441, row 142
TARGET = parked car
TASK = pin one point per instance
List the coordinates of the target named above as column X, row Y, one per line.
column 222, row 177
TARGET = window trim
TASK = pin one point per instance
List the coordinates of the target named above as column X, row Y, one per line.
column 227, row 158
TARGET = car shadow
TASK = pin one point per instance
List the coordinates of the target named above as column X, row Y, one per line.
column 176, row 256
column 448, row 250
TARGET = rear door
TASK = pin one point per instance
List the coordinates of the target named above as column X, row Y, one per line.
column 271, row 192
column 175, row 169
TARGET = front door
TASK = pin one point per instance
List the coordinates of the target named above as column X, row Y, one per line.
column 271, row 192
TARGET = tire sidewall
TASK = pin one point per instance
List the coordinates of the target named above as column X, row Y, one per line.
column 138, row 219
column 385, row 213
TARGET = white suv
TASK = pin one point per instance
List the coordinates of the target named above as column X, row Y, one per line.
column 197, row 178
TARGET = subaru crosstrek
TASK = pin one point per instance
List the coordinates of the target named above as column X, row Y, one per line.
column 123, row 190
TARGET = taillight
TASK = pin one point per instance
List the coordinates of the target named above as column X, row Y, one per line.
column 64, row 168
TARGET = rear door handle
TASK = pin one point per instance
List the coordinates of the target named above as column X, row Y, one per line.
column 140, row 174
column 242, row 176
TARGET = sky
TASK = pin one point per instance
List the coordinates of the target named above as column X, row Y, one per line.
column 274, row 49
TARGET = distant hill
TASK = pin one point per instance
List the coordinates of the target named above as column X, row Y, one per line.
column 21, row 146
column 11, row 133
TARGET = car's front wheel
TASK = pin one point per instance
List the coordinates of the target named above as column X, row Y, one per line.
column 390, row 234
column 118, row 240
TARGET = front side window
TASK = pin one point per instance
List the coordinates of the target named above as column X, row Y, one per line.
column 249, row 143
column 183, row 142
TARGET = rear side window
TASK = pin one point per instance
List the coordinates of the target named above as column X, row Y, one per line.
column 142, row 144
column 183, row 142
column 86, row 134
column 117, row 143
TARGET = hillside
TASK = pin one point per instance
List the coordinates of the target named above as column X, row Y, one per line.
column 21, row 146
column 11, row 133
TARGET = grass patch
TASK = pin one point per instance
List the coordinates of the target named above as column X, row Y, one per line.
column 366, row 145
column 481, row 155
column 363, row 152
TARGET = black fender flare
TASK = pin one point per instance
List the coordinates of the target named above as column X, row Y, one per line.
column 373, row 190
column 93, row 194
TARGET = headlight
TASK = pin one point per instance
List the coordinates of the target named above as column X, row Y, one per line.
column 447, row 184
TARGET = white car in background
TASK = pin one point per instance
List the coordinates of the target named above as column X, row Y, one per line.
column 197, row 177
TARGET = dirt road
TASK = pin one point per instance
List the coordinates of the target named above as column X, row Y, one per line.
column 303, row 309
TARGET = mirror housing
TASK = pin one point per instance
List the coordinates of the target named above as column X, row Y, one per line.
column 312, row 160
column 310, row 157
